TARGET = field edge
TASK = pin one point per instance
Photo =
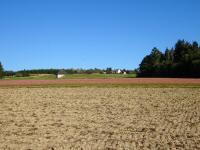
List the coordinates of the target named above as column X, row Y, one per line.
column 153, row 85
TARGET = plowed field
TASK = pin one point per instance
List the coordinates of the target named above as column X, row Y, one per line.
column 100, row 81
column 99, row 118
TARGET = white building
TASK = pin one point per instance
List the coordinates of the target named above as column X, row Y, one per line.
column 119, row 71
column 61, row 74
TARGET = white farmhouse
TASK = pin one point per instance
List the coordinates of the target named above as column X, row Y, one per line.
column 119, row 71
column 61, row 74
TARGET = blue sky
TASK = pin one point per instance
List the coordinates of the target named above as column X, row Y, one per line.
column 91, row 33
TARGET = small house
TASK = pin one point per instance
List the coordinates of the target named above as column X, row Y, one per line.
column 61, row 74
column 119, row 71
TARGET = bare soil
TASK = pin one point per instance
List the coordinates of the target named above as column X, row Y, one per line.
column 99, row 118
column 101, row 81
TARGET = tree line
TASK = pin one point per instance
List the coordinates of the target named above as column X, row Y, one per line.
column 1, row 71
column 183, row 60
column 26, row 73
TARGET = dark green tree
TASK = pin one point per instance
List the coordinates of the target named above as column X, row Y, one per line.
column 181, row 61
column 109, row 70
column 169, row 56
column 1, row 71
column 151, row 65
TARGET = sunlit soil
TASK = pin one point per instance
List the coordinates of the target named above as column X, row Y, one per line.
column 99, row 118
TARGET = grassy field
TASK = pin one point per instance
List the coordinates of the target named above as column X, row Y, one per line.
column 32, row 77
column 99, row 118
column 71, row 76
column 98, row 76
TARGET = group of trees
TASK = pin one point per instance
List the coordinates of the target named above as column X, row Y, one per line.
column 1, row 71
column 181, row 61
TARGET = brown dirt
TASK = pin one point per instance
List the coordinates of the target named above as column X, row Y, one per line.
column 99, row 118
column 101, row 81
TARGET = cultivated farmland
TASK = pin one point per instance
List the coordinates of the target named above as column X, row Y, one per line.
column 99, row 118
column 107, row 82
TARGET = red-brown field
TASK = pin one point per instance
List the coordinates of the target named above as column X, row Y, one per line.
column 100, row 81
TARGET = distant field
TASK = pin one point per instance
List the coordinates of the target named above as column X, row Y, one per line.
column 96, row 76
column 107, row 82
column 33, row 77
column 71, row 76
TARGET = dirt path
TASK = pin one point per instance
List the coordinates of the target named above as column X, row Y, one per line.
column 101, row 81
column 99, row 118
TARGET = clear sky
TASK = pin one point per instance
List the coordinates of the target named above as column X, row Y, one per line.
column 91, row 33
